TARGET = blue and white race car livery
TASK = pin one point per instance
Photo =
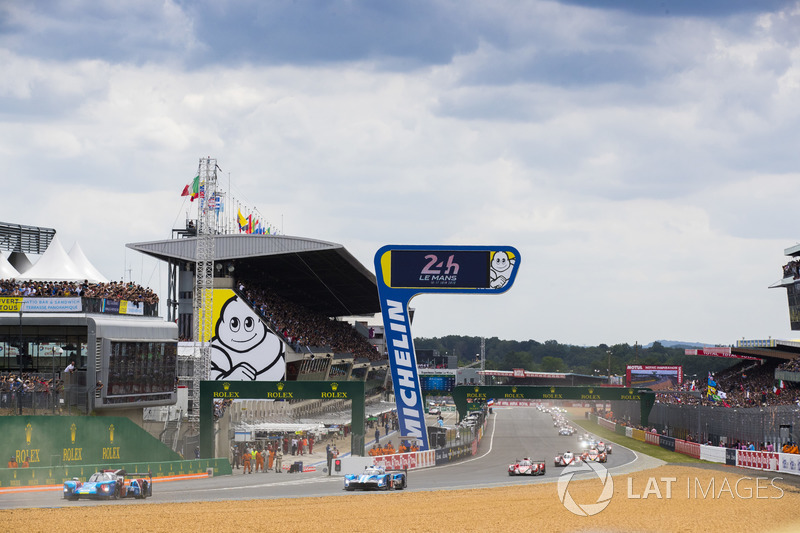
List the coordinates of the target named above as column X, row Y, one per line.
column 375, row 477
column 110, row 484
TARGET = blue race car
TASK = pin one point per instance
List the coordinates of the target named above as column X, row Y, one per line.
column 375, row 477
column 110, row 484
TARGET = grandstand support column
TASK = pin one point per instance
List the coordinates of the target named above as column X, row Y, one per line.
column 203, row 298
column 483, row 360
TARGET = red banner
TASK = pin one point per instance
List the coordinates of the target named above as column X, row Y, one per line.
column 754, row 459
column 718, row 351
column 691, row 449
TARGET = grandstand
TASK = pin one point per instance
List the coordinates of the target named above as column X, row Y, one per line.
column 60, row 309
column 300, row 288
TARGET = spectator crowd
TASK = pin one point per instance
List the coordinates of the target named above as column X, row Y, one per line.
column 26, row 390
column 112, row 291
column 304, row 329
column 747, row 384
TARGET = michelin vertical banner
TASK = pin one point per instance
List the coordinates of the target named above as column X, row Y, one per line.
column 405, row 271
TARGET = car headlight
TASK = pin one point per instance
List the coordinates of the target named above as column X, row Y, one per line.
column 105, row 488
column 346, row 482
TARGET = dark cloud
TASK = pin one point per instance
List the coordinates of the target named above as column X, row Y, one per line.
column 691, row 8
column 414, row 32
column 408, row 33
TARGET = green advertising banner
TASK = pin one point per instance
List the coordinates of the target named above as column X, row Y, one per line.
column 46, row 441
column 280, row 391
column 468, row 398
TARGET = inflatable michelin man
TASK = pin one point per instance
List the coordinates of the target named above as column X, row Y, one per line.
column 501, row 268
column 243, row 348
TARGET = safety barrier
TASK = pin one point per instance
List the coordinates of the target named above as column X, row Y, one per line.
column 651, row 438
column 608, row 424
column 55, row 475
column 769, row 461
column 407, row 461
column 715, row 454
column 692, row 449
column 757, row 460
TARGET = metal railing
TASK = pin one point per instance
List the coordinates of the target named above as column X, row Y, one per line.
column 773, row 424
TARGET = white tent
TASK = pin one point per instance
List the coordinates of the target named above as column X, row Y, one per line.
column 53, row 265
column 88, row 270
column 19, row 261
column 6, row 270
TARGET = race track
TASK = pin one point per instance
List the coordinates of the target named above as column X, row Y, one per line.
column 510, row 433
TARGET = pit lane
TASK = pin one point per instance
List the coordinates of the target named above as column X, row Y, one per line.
column 511, row 433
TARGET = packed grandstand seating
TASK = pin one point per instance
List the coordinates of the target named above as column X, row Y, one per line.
column 790, row 366
column 302, row 328
column 112, row 290
column 792, row 269
column 746, row 384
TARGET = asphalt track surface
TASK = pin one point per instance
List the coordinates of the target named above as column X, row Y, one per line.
column 511, row 433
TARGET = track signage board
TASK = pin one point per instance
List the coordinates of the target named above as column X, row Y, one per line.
column 472, row 397
column 280, row 390
column 405, row 271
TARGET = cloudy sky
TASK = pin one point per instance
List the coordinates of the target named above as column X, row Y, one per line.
column 644, row 157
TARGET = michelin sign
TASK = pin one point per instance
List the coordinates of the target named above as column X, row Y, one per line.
column 405, row 271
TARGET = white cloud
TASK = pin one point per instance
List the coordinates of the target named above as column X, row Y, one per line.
column 644, row 167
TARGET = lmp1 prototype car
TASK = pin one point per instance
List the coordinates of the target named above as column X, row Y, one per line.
column 375, row 477
column 594, row 456
column 526, row 467
column 110, row 484
column 566, row 459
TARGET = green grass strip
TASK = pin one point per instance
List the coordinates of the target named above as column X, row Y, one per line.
column 636, row 445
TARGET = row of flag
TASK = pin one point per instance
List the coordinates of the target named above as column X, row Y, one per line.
column 246, row 224
column 250, row 226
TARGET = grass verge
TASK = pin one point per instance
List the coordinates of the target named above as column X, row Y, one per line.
column 636, row 445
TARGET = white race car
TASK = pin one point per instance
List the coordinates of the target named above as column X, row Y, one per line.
column 526, row 467
column 566, row 459
column 593, row 455
column 603, row 447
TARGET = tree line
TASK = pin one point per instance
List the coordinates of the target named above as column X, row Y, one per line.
column 551, row 356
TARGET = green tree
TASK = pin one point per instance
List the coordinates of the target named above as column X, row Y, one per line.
column 552, row 364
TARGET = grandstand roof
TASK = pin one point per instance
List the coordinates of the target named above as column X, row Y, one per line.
column 745, row 349
column 784, row 350
column 7, row 271
column 321, row 276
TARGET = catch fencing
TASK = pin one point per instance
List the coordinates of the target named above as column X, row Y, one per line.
column 774, row 424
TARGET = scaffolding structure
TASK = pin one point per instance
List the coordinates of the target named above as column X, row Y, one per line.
column 203, row 297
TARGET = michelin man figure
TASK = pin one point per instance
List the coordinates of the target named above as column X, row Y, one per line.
column 501, row 268
column 243, row 348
